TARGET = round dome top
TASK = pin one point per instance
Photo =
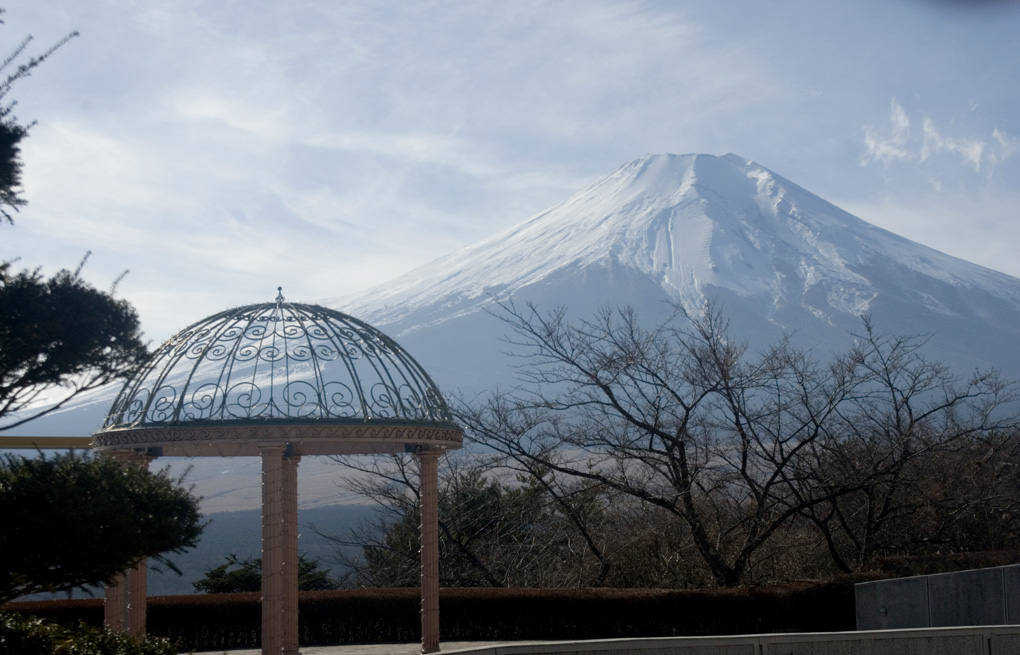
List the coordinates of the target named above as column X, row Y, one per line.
column 278, row 361
column 276, row 364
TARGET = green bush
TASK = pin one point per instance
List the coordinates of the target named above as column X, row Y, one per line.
column 28, row 635
column 64, row 612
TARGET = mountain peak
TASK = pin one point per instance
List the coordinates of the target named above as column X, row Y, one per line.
column 686, row 221
column 688, row 228
column 669, row 229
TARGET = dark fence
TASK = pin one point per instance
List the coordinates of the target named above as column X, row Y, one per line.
column 226, row 621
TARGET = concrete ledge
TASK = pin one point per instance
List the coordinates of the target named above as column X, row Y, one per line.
column 984, row 640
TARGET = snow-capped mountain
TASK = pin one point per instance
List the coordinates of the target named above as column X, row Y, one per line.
column 658, row 231
column 685, row 229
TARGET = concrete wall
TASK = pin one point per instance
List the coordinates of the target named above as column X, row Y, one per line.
column 999, row 640
column 967, row 598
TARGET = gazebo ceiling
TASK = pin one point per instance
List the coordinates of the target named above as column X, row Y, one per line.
column 309, row 376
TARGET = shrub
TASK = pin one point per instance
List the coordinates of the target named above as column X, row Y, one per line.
column 28, row 635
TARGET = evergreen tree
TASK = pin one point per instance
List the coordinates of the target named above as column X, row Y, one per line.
column 74, row 519
column 61, row 333
column 12, row 69
column 246, row 575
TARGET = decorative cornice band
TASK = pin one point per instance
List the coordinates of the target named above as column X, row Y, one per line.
column 255, row 434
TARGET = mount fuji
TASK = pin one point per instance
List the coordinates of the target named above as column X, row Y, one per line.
column 668, row 230
column 660, row 231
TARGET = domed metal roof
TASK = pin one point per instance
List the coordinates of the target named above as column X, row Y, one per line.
column 280, row 365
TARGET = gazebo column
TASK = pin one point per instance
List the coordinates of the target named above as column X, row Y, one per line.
column 124, row 603
column 279, row 551
column 115, row 604
column 138, row 592
column 429, row 474
column 290, row 560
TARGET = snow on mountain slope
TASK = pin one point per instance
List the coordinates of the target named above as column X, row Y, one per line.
column 684, row 229
column 660, row 230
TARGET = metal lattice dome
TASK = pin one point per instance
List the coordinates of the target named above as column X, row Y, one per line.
column 323, row 381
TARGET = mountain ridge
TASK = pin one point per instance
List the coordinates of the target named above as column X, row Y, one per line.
column 655, row 195
column 659, row 231
column 666, row 230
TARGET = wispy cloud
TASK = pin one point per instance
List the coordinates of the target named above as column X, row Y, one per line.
column 890, row 143
column 328, row 146
column 1007, row 146
column 897, row 142
column 969, row 151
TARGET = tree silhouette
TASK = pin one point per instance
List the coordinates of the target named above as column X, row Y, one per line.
column 60, row 334
column 75, row 519
column 246, row 575
column 13, row 68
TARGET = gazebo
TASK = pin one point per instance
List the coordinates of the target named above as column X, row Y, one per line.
column 279, row 381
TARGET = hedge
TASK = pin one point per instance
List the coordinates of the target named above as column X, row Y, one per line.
column 28, row 635
column 223, row 621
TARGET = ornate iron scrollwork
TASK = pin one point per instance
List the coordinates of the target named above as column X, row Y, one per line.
column 278, row 361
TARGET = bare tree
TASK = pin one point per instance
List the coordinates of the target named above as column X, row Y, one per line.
column 740, row 448
column 672, row 456
column 497, row 527
column 915, row 455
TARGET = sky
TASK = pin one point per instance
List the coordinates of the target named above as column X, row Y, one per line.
column 219, row 149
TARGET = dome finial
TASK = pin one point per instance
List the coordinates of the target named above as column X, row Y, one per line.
column 279, row 361
column 279, row 295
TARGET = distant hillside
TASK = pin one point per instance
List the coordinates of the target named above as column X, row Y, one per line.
column 240, row 533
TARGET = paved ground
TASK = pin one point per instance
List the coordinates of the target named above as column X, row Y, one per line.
column 367, row 649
